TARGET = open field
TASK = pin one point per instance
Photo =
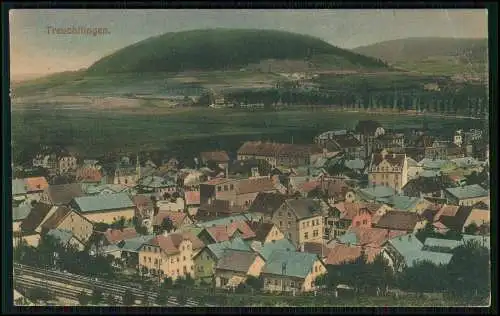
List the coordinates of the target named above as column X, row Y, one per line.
column 188, row 131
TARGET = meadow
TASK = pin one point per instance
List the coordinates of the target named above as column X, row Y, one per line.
column 185, row 133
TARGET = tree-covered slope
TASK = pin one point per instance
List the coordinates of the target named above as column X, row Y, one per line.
column 222, row 49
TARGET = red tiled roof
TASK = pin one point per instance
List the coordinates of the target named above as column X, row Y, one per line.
column 446, row 210
column 88, row 174
column 53, row 221
column 398, row 220
column 225, row 232
column 307, row 187
column 216, row 156
column 396, row 160
column 341, row 254
column 317, row 248
column 374, row 237
column 36, row 184
column 142, row 201
column 192, row 197
column 261, row 184
column 349, row 210
column 114, row 236
column 176, row 217
column 170, row 243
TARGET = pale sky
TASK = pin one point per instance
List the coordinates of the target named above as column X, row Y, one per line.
column 35, row 52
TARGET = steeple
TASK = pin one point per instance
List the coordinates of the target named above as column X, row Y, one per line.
column 138, row 167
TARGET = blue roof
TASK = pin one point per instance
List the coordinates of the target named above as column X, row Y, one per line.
column 404, row 203
column 61, row 235
column 468, row 191
column 429, row 173
column 466, row 162
column 236, row 244
column 378, row 192
column 133, row 244
column 296, row 264
column 227, row 220
column 156, row 182
column 348, row 238
column 441, row 243
column 19, row 187
column 279, row 245
column 20, row 212
column 433, row 164
column 411, row 250
column 103, row 202
column 355, row 164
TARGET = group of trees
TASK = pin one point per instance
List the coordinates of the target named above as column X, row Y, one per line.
column 51, row 254
column 471, row 101
column 466, row 276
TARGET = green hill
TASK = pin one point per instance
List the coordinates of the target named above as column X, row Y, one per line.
column 226, row 49
column 448, row 56
column 474, row 50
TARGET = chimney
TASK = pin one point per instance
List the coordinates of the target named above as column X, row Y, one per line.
column 393, row 155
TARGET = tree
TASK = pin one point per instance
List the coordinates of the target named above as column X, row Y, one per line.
column 161, row 299
column 412, row 278
column 39, row 294
column 471, row 229
column 128, row 298
column 167, row 225
column 254, row 283
column 111, row 300
column 182, row 298
column 469, row 271
column 96, row 296
column 167, row 283
column 83, row 298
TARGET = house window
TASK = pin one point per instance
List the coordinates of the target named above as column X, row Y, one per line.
column 289, row 214
column 289, row 235
column 177, row 271
column 316, row 269
column 303, row 224
column 315, row 233
column 172, row 260
column 187, row 247
column 292, row 284
column 365, row 222
column 149, row 259
column 357, row 223
column 178, row 259
column 276, row 282
column 145, row 259
column 219, row 188
column 231, row 187
column 289, row 224
column 156, row 261
column 225, row 188
column 183, row 248
column 281, row 224
column 306, row 235
column 192, row 268
column 280, row 213
column 126, row 181
column 184, row 258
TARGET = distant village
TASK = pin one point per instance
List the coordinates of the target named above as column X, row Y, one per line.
column 279, row 212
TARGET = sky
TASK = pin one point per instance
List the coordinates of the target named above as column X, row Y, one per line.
column 36, row 51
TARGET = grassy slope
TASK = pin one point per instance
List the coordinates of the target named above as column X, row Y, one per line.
column 97, row 132
column 432, row 55
column 216, row 49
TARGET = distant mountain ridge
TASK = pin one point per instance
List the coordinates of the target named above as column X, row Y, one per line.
column 421, row 48
column 227, row 49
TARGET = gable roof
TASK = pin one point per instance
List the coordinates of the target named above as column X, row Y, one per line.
column 397, row 220
column 304, row 208
column 36, row 183
column 350, row 210
column 59, row 214
column 225, row 232
column 62, row 194
column 468, row 192
column 274, row 149
column 341, row 254
column 217, row 156
column 290, row 263
column 237, row 243
column 267, row 203
column 268, row 248
column 345, row 141
column 171, row 242
column 252, row 185
column 261, row 229
column 379, row 192
column 404, row 203
column 114, row 236
column 35, row 217
column 317, row 248
column 236, row 260
column 103, row 202
column 142, row 201
column 20, row 212
column 88, row 174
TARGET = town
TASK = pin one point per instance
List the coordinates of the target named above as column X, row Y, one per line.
column 371, row 212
